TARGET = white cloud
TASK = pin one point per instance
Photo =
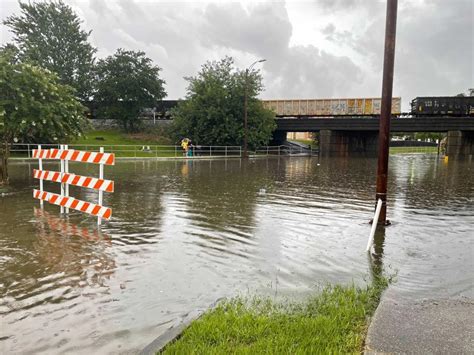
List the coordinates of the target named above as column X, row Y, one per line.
column 323, row 48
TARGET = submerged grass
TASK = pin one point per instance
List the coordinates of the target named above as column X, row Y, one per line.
column 410, row 150
column 335, row 321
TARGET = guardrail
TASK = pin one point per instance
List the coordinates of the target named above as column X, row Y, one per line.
column 25, row 150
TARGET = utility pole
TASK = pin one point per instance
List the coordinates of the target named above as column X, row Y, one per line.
column 386, row 108
column 246, row 130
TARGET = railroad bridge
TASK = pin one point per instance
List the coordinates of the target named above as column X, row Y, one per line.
column 342, row 136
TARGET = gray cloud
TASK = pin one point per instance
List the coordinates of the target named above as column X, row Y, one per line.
column 434, row 48
column 434, row 44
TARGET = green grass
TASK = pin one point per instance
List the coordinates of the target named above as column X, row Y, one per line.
column 122, row 143
column 334, row 321
column 117, row 137
column 407, row 150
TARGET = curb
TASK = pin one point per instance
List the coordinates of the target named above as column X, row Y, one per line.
column 175, row 331
column 422, row 326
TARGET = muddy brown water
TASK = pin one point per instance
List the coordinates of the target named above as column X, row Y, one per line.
column 184, row 234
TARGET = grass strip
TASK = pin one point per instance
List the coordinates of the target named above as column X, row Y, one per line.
column 335, row 321
column 411, row 150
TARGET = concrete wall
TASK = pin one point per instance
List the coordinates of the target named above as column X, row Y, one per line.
column 460, row 143
column 348, row 143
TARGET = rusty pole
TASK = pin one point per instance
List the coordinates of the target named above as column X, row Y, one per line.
column 386, row 108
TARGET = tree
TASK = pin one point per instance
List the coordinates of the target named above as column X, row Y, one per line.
column 34, row 107
column 213, row 112
column 48, row 34
column 127, row 82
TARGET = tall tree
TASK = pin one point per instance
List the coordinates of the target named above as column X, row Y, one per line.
column 127, row 82
column 49, row 35
column 213, row 112
column 34, row 107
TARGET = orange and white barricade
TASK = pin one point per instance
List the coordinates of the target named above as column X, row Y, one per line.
column 65, row 178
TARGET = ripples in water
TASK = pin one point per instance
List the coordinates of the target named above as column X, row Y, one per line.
column 186, row 233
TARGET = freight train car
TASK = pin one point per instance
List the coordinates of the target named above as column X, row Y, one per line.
column 330, row 107
column 443, row 105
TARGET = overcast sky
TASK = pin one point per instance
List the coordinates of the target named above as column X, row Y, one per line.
column 314, row 49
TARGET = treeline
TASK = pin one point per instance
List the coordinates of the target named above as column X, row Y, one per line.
column 49, row 35
column 50, row 73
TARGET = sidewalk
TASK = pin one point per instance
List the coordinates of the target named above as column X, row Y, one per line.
column 444, row 326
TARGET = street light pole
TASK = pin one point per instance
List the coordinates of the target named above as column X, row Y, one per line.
column 246, row 130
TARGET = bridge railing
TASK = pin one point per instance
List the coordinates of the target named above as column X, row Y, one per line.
column 285, row 150
column 135, row 151
column 24, row 150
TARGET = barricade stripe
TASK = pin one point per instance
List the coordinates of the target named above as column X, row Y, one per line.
column 75, row 155
column 54, row 198
column 93, row 209
column 85, row 206
column 107, row 213
column 86, row 156
column 110, row 160
column 98, row 184
column 87, row 181
column 76, row 180
column 96, row 210
column 97, row 158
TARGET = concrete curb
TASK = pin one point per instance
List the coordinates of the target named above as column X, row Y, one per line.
column 175, row 331
column 428, row 326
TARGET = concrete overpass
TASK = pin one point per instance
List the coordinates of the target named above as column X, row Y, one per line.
column 355, row 135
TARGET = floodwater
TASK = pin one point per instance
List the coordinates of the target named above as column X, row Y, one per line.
column 185, row 233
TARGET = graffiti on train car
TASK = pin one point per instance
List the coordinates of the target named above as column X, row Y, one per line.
column 330, row 107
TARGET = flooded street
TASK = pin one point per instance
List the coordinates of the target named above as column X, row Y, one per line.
column 184, row 234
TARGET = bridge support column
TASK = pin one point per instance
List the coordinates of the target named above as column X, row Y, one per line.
column 279, row 137
column 345, row 143
column 460, row 143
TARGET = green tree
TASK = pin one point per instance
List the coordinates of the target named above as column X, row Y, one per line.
column 213, row 112
column 34, row 107
column 49, row 34
column 127, row 82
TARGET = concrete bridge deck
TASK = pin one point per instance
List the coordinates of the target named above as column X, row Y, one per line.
column 397, row 124
column 359, row 135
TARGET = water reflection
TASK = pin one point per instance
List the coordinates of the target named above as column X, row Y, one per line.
column 375, row 257
column 185, row 233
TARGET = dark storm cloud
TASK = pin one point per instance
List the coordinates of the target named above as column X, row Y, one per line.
column 434, row 48
column 264, row 31
column 307, row 72
column 434, row 52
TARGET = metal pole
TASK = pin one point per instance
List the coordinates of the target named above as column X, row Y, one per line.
column 61, row 147
column 245, row 115
column 66, row 186
column 386, row 107
column 101, row 193
column 40, row 167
